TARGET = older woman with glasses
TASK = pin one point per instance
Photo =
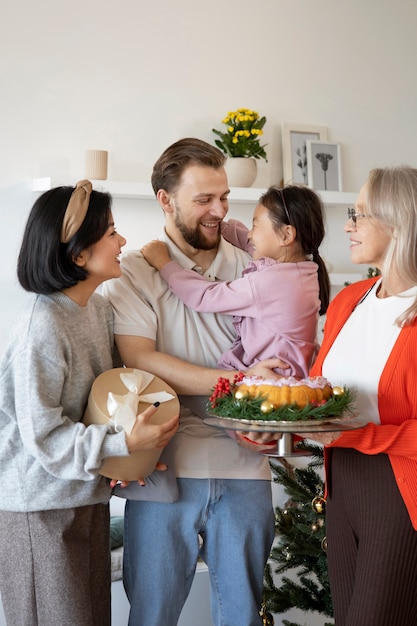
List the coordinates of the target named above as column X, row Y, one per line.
column 370, row 345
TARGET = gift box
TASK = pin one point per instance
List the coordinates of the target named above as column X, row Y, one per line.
column 116, row 397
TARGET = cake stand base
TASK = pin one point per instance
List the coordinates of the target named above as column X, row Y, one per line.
column 286, row 446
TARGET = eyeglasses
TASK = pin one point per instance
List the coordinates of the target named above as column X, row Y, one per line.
column 352, row 215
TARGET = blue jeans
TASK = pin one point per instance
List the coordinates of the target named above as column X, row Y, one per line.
column 235, row 521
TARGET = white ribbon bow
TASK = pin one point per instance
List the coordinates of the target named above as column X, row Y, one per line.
column 123, row 409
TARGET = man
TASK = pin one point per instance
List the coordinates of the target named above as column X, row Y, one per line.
column 224, row 510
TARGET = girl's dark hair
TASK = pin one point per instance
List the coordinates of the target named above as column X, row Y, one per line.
column 302, row 208
column 45, row 265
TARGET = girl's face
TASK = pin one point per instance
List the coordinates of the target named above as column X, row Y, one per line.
column 369, row 238
column 101, row 259
column 266, row 241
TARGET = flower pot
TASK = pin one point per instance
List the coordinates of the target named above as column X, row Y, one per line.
column 241, row 171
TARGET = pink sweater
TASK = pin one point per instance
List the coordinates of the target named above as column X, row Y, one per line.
column 397, row 399
column 275, row 308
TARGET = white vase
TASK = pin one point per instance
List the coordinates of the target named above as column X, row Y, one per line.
column 241, row 171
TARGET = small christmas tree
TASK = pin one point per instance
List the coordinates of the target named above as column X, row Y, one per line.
column 300, row 542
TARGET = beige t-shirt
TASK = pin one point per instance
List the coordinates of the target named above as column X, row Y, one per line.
column 144, row 306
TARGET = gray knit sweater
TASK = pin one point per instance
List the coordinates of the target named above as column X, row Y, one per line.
column 48, row 458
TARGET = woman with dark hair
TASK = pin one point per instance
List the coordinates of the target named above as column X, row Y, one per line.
column 277, row 301
column 54, row 517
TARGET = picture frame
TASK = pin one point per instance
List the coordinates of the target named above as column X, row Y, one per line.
column 294, row 150
column 324, row 165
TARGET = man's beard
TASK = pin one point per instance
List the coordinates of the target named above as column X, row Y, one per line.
column 193, row 236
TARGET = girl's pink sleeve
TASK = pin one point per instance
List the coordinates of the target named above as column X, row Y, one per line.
column 236, row 233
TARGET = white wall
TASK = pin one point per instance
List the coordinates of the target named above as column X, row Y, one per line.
column 132, row 77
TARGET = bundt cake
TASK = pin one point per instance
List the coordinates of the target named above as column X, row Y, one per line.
column 285, row 399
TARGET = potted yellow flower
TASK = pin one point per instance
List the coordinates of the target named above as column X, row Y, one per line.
column 241, row 140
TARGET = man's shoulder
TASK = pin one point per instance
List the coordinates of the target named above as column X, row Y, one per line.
column 138, row 282
column 134, row 266
column 131, row 257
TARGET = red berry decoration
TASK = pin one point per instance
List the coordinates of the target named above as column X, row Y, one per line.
column 224, row 388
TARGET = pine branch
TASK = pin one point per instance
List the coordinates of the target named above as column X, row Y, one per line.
column 300, row 544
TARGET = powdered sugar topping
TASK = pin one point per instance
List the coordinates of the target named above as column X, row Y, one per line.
column 314, row 382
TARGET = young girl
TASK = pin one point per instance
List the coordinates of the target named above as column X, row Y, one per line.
column 277, row 301
column 54, row 518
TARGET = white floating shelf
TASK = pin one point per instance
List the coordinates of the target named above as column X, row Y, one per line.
column 144, row 191
column 329, row 198
column 120, row 189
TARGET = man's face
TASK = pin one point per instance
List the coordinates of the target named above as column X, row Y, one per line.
column 200, row 204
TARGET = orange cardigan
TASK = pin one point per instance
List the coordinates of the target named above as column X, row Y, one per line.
column 397, row 399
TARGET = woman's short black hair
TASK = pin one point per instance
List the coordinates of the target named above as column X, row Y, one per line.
column 45, row 265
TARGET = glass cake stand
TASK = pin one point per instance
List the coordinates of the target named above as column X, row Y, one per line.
column 286, row 445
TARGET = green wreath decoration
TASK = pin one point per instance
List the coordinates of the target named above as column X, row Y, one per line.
column 223, row 403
